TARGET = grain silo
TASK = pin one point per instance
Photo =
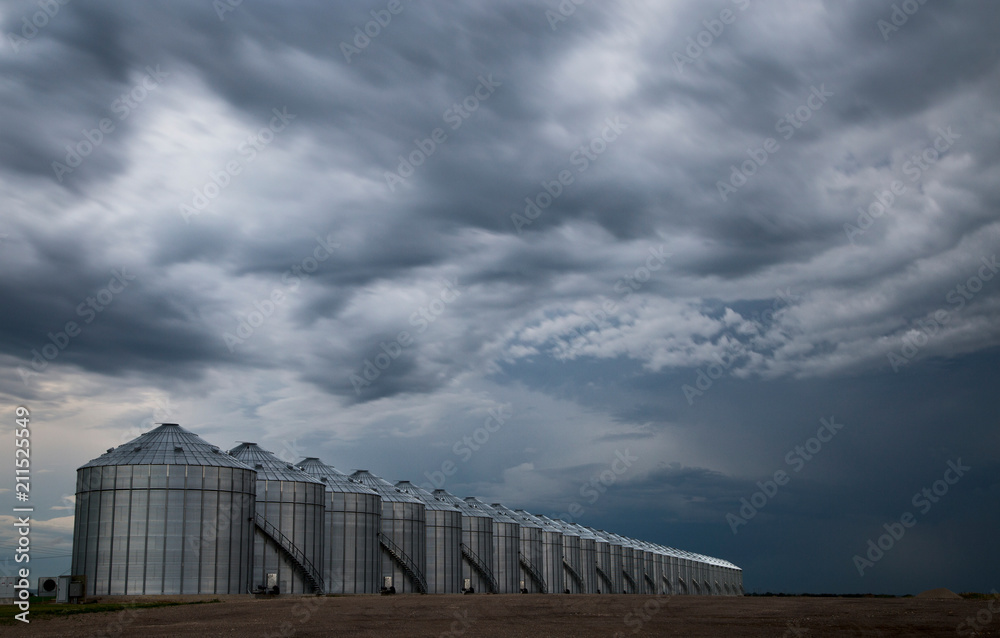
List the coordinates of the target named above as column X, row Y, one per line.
column 684, row 573
column 654, row 567
column 573, row 580
column 477, row 546
column 353, row 514
column 403, row 538
column 165, row 513
column 506, row 548
column 532, row 557
column 288, row 543
column 630, row 576
column 444, row 541
column 610, row 563
column 553, row 571
column 588, row 557
column 669, row 558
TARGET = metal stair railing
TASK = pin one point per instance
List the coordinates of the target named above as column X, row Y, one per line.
column 481, row 568
column 708, row 587
column 611, row 585
column 292, row 552
column 670, row 586
column 533, row 572
column 684, row 585
column 576, row 576
column 652, row 583
column 405, row 563
column 631, row 581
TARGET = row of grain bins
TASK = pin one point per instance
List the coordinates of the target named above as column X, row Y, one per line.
column 169, row 513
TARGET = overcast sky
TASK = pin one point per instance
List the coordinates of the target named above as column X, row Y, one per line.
column 620, row 262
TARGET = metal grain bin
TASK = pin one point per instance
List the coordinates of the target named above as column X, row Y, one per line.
column 477, row 545
column 404, row 536
column 654, row 567
column 552, row 554
column 588, row 557
column 165, row 513
column 289, row 523
column 444, row 541
column 631, row 563
column 532, row 555
column 506, row 548
column 573, row 580
column 352, row 520
column 610, row 563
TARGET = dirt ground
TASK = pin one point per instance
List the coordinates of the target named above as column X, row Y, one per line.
column 535, row 616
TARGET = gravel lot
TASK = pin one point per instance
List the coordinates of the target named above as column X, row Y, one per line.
column 534, row 616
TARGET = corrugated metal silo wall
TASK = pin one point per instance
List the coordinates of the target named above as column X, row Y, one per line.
column 405, row 524
column 444, row 554
column 531, row 549
column 615, row 566
column 654, row 570
column 602, row 559
column 588, row 565
column 352, row 563
column 297, row 509
column 552, row 561
column 571, row 554
column 507, row 567
column 477, row 535
column 628, row 569
column 163, row 529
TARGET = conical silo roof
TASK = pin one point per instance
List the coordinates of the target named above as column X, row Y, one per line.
column 334, row 479
column 425, row 497
column 494, row 514
column 560, row 525
column 167, row 444
column 467, row 510
column 523, row 521
column 582, row 531
column 546, row 524
column 389, row 492
column 268, row 466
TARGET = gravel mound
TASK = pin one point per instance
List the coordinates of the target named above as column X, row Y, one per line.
column 941, row 593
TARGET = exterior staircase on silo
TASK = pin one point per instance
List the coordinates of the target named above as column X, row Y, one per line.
column 576, row 577
column 292, row 552
column 405, row 563
column 533, row 572
column 607, row 579
column 631, row 581
column 481, row 568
